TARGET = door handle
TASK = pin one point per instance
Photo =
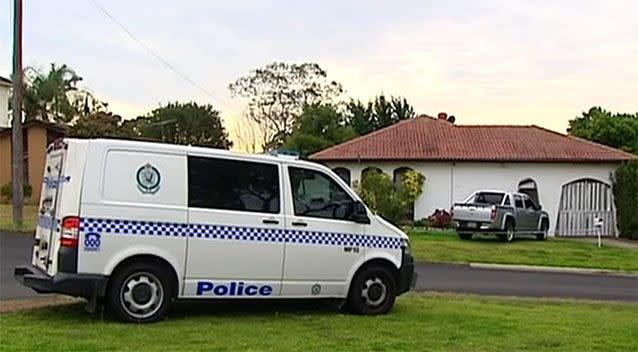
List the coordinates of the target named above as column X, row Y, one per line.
column 299, row 223
column 270, row 221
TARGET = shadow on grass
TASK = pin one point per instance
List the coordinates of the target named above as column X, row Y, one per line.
column 75, row 312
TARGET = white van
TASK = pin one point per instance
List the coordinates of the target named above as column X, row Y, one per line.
column 139, row 225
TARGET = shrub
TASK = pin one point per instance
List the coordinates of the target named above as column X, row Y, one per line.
column 6, row 192
column 379, row 192
column 423, row 222
column 441, row 218
column 625, row 189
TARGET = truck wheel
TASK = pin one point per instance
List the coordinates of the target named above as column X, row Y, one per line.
column 372, row 291
column 465, row 236
column 508, row 236
column 542, row 236
column 140, row 293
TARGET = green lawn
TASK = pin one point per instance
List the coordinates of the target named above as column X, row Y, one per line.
column 29, row 214
column 447, row 247
column 419, row 322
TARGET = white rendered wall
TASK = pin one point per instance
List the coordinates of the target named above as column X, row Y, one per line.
column 447, row 182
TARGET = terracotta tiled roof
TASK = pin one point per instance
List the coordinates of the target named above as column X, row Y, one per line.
column 427, row 138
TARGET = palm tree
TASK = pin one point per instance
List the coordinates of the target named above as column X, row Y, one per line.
column 48, row 97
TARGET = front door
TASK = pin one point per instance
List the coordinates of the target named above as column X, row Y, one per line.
column 323, row 243
column 236, row 228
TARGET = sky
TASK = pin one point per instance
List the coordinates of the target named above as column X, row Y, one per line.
column 486, row 62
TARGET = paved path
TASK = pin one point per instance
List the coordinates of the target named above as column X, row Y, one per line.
column 15, row 249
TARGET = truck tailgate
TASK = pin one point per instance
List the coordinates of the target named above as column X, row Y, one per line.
column 472, row 212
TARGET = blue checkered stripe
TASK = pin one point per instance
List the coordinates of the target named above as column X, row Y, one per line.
column 239, row 233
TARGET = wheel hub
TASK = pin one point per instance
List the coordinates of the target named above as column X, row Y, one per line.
column 374, row 292
column 141, row 295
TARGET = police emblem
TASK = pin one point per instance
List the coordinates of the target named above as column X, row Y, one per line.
column 92, row 241
column 148, row 179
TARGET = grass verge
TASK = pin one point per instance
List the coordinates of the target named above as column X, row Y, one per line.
column 447, row 247
column 419, row 322
column 29, row 218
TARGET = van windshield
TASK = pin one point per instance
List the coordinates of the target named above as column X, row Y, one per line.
column 490, row 198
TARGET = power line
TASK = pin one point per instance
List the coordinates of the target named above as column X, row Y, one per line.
column 162, row 60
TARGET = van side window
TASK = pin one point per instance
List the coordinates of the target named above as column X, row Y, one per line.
column 518, row 202
column 317, row 195
column 233, row 185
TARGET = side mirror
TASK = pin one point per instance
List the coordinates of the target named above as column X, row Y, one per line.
column 359, row 213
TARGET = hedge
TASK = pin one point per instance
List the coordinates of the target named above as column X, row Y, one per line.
column 626, row 199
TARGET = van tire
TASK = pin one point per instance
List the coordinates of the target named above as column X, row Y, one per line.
column 155, row 291
column 374, row 282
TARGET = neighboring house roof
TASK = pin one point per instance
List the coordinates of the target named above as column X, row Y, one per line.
column 50, row 126
column 427, row 138
column 5, row 82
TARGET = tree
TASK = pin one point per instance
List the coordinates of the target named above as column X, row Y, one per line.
column 319, row 126
column 278, row 92
column 601, row 126
column 101, row 125
column 183, row 123
column 377, row 114
column 49, row 96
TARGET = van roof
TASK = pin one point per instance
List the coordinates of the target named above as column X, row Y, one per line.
column 177, row 148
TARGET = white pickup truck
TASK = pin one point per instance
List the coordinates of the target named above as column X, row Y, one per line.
column 505, row 214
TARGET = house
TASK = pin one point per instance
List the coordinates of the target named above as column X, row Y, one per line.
column 5, row 87
column 573, row 176
column 37, row 135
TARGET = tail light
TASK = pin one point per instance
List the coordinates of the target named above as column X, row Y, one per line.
column 493, row 213
column 70, row 231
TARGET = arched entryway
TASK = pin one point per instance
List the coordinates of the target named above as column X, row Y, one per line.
column 343, row 173
column 398, row 175
column 581, row 202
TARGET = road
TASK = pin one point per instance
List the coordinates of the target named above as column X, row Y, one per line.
column 15, row 249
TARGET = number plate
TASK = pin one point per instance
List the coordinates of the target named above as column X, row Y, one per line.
column 471, row 224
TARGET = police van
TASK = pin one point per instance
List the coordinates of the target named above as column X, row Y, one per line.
column 138, row 225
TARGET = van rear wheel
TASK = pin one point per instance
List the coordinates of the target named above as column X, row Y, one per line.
column 372, row 291
column 140, row 293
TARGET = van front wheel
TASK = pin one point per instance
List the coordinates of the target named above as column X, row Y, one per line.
column 139, row 293
column 372, row 291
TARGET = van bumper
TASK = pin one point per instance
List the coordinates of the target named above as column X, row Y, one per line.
column 407, row 276
column 78, row 285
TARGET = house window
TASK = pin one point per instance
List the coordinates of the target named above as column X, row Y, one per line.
column 343, row 173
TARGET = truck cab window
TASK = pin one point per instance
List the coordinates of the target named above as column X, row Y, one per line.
column 507, row 201
column 315, row 194
column 518, row 201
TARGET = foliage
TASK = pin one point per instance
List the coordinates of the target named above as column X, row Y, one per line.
column 101, row 125
column 183, row 123
column 6, row 192
column 423, row 222
column 412, row 185
column 447, row 247
column 54, row 95
column 387, row 199
column 625, row 189
column 278, row 92
column 441, row 218
column 615, row 130
column 47, row 96
column 319, row 126
column 377, row 114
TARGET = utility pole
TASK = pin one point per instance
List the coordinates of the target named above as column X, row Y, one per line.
column 16, row 136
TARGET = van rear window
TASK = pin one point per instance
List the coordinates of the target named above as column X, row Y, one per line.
column 489, row 198
column 233, row 185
